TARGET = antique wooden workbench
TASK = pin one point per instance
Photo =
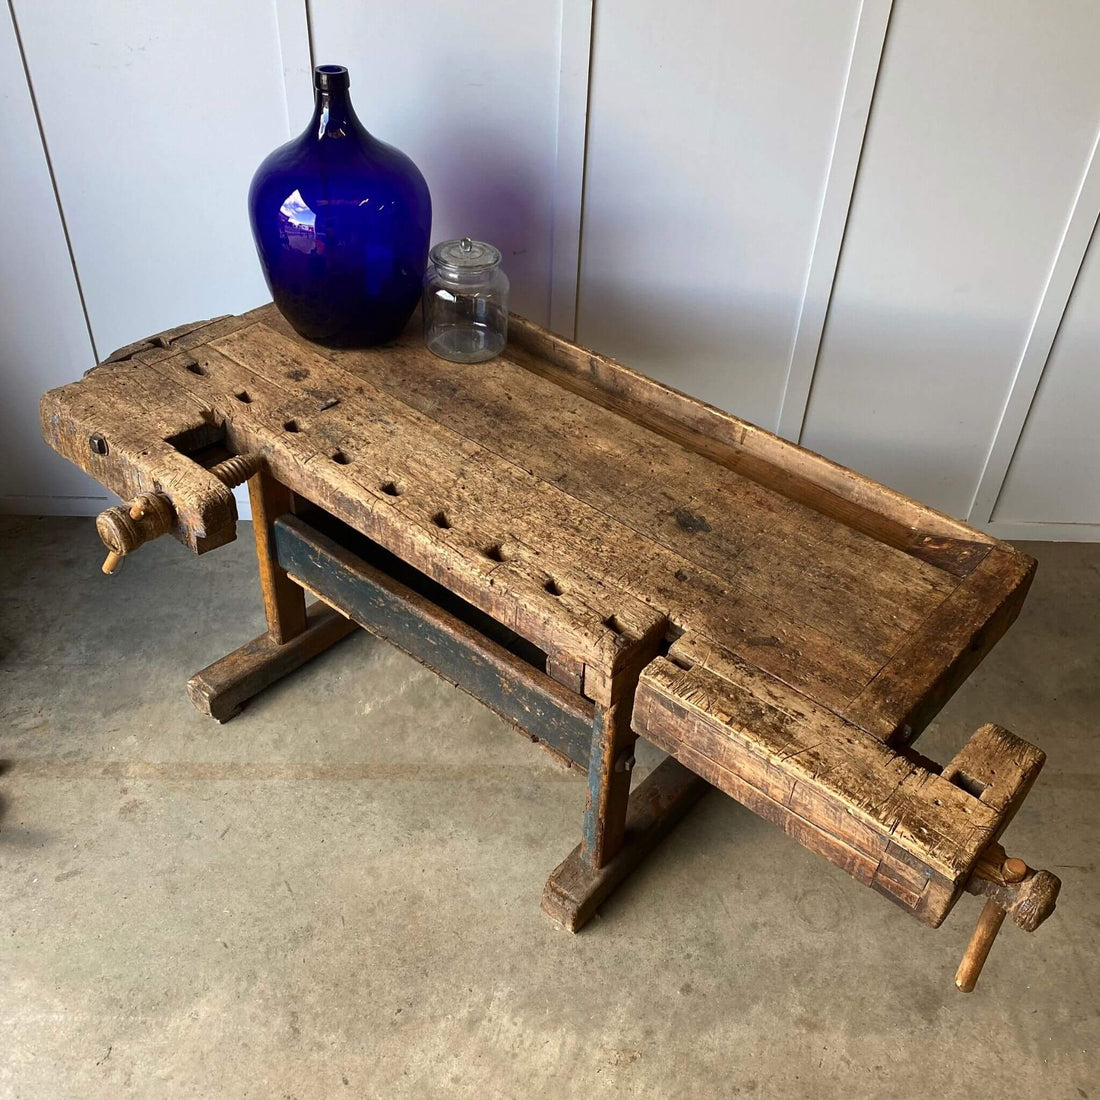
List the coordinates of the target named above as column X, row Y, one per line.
column 596, row 557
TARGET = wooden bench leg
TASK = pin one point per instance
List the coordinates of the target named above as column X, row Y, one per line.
column 609, row 772
column 284, row 601
column 293, row 636
column 620, row 828
column 577, row 887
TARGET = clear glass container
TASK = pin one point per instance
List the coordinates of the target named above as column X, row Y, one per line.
column 465, row 302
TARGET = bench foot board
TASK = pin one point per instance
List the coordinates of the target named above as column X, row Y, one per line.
column 220, row 689
column 576, row 889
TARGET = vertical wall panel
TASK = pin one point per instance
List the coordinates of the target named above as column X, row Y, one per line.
column 1040, row 339
column 43, row 339
column 294, row 47
column 471, row 94
column 1055, row 473
column 984, row 117
column 710, row 131
column 715, row 195
column 156, row 116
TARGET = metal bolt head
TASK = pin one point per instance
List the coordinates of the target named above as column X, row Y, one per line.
column 625, row 762
column 98, row 444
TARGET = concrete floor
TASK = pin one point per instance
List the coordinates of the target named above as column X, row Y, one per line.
column 337, row 894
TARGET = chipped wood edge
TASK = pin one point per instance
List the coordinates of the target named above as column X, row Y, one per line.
column 913, row 686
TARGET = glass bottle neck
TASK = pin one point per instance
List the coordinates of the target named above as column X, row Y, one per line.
column 333, row 114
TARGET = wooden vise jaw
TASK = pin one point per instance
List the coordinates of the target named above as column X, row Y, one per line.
column 135, row 432
column 123, row 529
column 895, row 821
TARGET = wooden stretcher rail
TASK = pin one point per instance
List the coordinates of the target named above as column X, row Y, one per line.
column 546, row 711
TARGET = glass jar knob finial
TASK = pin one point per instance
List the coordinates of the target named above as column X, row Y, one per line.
column 467, row 244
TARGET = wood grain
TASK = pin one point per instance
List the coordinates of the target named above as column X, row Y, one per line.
column 560, row 493
column 284, row 601
column 780, row 625
column 914, row 835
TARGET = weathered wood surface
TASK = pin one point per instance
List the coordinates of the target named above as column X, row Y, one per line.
column 221, row 689
column 897, row 826
column 545, row 711
column 588, row 508
column 814, row 621
column 134, row 434
column 578, row 886
column 794, row 471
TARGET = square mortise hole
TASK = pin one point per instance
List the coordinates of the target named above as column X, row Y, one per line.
column 196, row 368
column 969, row 784
column 441, row 519
column 340, row 458
column 496, row 552
column 613, row 622
column 244, row 397
column 392, row 489
column 291, row 426
column 553, row 587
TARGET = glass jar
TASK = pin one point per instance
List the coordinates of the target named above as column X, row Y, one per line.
column 465, row 302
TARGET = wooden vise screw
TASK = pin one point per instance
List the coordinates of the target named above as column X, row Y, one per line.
column 1009, row 886
column 125, row 527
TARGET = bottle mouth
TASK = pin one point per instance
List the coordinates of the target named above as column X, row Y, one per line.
column 329, row 78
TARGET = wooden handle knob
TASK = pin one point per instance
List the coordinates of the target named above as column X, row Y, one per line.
column 124, row 528
column 977, row 950
column 1037, row 899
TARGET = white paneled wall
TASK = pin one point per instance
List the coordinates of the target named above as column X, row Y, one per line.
column 156, row 115
column 709, row 135
column 860, row 222
column 470, row 92
column 1054, row 477
column 977, row 143
column 44, row 340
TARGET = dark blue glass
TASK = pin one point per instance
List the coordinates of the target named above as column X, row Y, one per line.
column 342, row 223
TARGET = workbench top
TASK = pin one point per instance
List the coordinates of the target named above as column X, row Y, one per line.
column 592, row 510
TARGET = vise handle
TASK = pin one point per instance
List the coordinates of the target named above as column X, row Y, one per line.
column 1009, row 886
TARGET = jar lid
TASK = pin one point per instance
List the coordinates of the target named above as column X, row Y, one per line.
column 465, row 254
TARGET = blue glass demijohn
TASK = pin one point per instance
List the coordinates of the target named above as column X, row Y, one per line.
column 342, row 223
